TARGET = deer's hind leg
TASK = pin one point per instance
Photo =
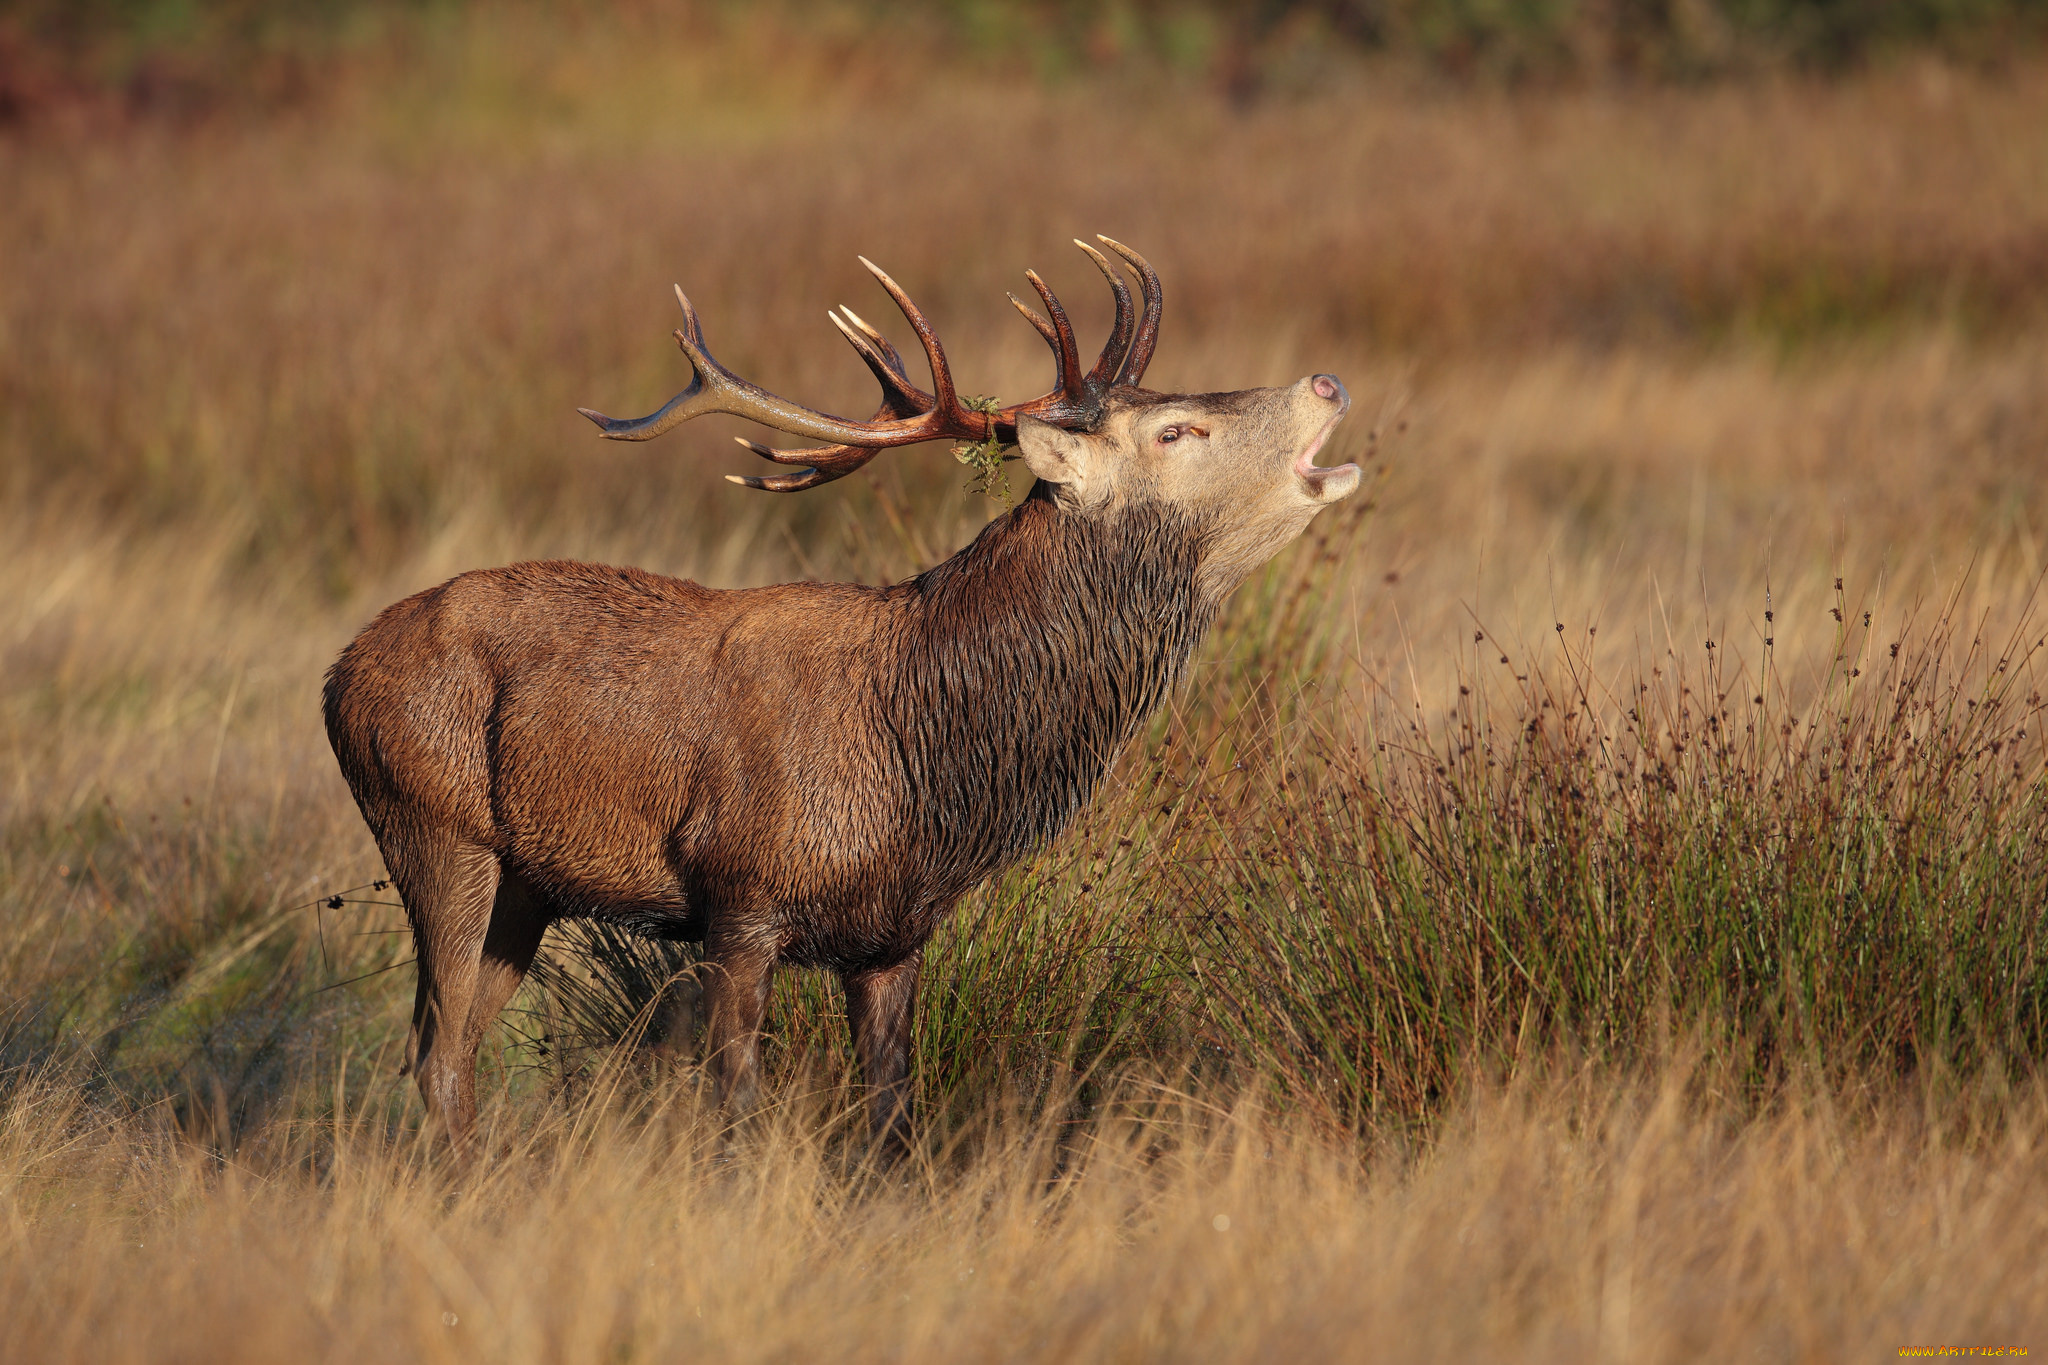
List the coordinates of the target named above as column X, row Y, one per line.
column 450, row 887
column 519, row 916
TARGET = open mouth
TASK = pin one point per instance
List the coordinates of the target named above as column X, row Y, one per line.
column 1316, row 476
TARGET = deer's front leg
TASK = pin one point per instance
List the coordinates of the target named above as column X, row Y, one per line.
column 879, row 1006
column 736, row 996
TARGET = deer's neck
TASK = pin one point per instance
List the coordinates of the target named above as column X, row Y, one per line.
column 1030, row 659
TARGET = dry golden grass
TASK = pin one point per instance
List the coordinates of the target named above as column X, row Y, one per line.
column 1588, row 1218
column 1634, row 359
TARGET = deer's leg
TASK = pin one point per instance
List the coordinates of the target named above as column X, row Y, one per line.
column 449, row 886
column 741, row 968
column 879, row 1007
column 518, row 919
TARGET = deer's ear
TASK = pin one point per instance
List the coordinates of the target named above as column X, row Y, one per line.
column 1059, row 456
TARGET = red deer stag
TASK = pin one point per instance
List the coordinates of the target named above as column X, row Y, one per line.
column 812, row 773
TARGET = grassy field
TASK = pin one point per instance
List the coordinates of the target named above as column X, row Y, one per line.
column 1587, row 903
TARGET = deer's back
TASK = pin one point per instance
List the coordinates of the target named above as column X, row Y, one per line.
column 635, row 745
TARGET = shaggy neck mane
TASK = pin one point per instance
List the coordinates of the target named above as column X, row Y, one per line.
column 1029, row 660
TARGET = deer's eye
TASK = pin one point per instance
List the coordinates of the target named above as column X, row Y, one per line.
column 1169, row 435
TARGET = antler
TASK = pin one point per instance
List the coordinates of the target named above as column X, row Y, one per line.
column 908, row 414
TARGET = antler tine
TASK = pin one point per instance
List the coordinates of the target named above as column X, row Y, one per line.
column 1037, row 320
column 900, row 398
column 838, row 459
column 1110, row 363
column 795, row 481
column 1052, row 338
column 943, row 397
column 868, row 330
column 1147, row 335
column 1066, row 354
column 691, row 326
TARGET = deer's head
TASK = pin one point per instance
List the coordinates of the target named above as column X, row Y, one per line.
column 1239, row 466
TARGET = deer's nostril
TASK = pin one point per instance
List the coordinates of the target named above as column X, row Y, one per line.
column 1327, row 386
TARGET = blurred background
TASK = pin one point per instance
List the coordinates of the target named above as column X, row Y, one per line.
column 1667, row 321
